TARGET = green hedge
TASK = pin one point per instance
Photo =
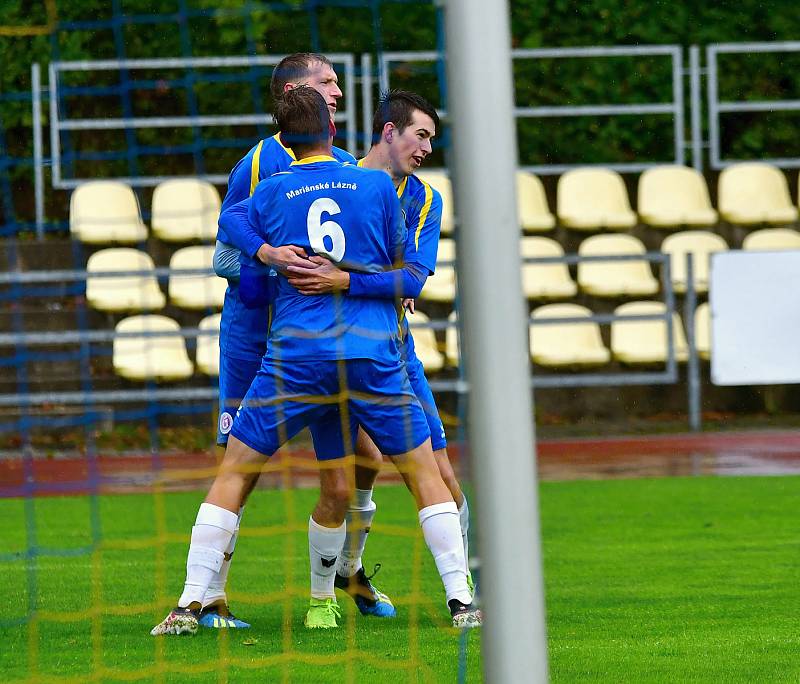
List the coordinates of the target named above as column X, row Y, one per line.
column 374, row 25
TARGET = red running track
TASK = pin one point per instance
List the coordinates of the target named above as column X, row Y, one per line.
column 730, row 453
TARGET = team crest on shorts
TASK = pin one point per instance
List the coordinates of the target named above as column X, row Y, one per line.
column 225, row 422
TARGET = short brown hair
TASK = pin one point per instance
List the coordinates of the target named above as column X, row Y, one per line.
column 293, row 68
column 303, row 118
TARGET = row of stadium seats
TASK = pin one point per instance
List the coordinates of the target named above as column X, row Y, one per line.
column 183, row 210
column 160, row 353
column 628, row 278
column 749, row 194
column 141, row 292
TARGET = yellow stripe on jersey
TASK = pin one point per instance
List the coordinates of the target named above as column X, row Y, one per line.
column 402, row 187
column 313, row 159
column 288, row 150
column 423, row 214
column 255, row 167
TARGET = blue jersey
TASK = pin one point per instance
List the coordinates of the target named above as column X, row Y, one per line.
column 422, row 212
column 352, row 216
column 243, row 332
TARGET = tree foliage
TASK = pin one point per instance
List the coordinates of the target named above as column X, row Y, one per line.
column 98, row 29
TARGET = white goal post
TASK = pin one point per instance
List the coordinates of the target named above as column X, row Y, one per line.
column 494, row 323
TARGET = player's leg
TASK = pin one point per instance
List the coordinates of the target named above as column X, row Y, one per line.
column 422, row 390
column 235, row 378
column 350, row 574
column 326, row 532
column 400, row 430
column 213, row 530
column 262, row 425
column 330, row 435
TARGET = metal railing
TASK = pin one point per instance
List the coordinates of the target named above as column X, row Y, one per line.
column 459, row 385
column 717, row 107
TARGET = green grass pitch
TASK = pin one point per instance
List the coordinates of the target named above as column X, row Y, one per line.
column 667, row 580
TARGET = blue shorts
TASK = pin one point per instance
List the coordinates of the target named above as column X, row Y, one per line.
column 286, row 397
column 419, row 383
column 235, row 378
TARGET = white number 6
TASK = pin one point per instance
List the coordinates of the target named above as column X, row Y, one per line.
column 317, row 231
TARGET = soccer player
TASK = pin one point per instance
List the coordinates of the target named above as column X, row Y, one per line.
column 314, row 344
column 403, row 127
column 243, row 331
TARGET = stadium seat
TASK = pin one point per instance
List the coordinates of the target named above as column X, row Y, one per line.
column 702, row 331
column 645, row 342
column 452, row 348
column 545, row 281
column 122, row 293
column 615, row 278
column 674, row 197
column 208, row 346
column 591, row 199
column 534, row 214
column 440, row 181
column 441, row 286
column 754, row 193
column 563, row 345
column 104, row 212
column 772, row 240
column 185, row 209
column 196, row 291
column 425, row 345
column 151, row 357
column 702, row 244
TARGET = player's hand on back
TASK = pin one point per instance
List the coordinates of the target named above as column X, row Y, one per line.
column 281, row 258
column 408, row 305
column 317, row 276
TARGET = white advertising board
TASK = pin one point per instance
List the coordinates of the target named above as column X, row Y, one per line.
column 755, row 318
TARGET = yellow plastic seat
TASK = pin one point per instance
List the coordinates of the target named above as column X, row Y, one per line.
column 208, row 346
column 185, row 209
column 591, row 199
column 772, row 240
column 122, row 293
column 440, row 181
column 545, row 281
column 425, row 345
column 196, row 291
column 104, row 212
column 452, row 348
column 702, row 331
column 674, row 196
column 154, row 357
column 563, row 345
column 441, row 286
column 753, row 193
column 615, row 278
column 702, row 244
column 534, row 214
column 645, row 342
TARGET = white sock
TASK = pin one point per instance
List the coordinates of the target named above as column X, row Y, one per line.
column 324, row 547
column 463, row 519
column 211, row 534
column 358, row 520
column 216, row 590
column 442, row 533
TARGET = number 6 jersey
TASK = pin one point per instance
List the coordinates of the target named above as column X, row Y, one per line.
column 352, row 216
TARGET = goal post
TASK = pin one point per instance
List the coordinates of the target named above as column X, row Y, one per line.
column 500, row 425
